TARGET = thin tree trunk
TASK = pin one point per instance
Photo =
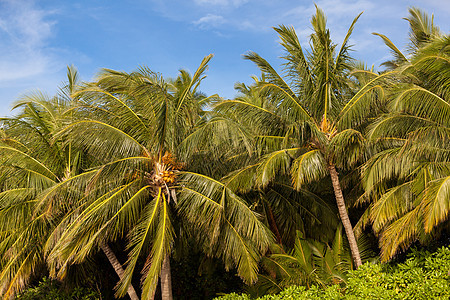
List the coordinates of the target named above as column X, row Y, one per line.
column 273, row 225
column 344, row 215
column 118, row 268
column 166, row 280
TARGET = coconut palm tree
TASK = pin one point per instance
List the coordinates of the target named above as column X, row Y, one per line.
column 407, row 181
column 142, row 191
column 31, row 162
column 308, row 128
column 25, row 174
column 34, row 162
column 286, row 209
column 283, row 208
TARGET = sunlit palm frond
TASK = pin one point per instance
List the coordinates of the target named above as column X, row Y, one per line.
column 401, row 233
column 161, row 248
column 349, row 148
column 422, row 29
column 399, row 57
column 423, row 103
column 279, row 90
column 242, row 180
column 308, row 167
column 231, row 228
column 275, row 163
column 436, row 202
column 361, row 104
column 296, row 66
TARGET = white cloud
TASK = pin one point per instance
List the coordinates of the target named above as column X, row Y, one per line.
column 209, row 21
column 340, row 14
column 345, row 8
column 24, row 32
column 235, row 3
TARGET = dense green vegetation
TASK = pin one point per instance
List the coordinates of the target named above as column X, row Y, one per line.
column 293, row 187
column 52, row 290
column 421, row 276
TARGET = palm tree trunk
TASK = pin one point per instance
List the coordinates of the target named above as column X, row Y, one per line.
column 118, row 268
column 273, row 225
column 344, row 215
column 166, row 280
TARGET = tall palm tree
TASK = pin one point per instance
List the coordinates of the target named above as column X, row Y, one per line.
column 308, row 129
column 34, row 162
column 286, row 209
column 407, row 180
column 25, row 172
column 142, row 191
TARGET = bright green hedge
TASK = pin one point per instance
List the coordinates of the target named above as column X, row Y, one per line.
column 423, row 275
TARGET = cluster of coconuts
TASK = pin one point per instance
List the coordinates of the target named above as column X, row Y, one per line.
column 164, row 174
column 168, row 176
column 165, row 171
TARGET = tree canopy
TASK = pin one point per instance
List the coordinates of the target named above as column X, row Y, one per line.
column 304, row 176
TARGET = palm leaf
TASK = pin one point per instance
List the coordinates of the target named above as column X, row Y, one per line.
column 308, row 167
column 436, row 199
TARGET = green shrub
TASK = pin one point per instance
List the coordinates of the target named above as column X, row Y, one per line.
column 48, row 289
column 423, row 275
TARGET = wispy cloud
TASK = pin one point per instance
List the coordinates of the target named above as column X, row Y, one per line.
column 209, row 21
column 344, row 8
column 340, row 14
column 235, row 3
column 24, row 31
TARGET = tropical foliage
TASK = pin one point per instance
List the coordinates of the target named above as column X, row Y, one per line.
column 32, row 163
column 52, row 290
column 145, row 171
column 423, row 275
column 311, row 262
column 407, row 179
column 301, row 124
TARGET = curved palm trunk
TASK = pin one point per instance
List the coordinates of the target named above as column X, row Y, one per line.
column 166, row 280
column 344, row 216
column 118, row 268
column 273, row 225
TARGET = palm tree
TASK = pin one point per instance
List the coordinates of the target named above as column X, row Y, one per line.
column 33, row 162
column 308, row 127
column 24, row 175
column 142, row 191
column 286, row 209
column 234, row 146
column 407, row 181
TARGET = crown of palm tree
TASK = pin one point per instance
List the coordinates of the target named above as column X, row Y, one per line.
column 300, row 123
column 134, row 125
column 33, row 162
column 407, row 180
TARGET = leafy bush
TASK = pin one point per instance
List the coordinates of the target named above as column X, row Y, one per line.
column 423, row 275
column 48, row 289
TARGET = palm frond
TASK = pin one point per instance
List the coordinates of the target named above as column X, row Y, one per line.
column 308, row 167
column 275, row 163
column 401, row 233
column 161, row 249
column 423, row 103
column 436, row 199
column 229, row 228
column 399, row 57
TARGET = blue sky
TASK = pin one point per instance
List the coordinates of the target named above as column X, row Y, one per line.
column 40, row 38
